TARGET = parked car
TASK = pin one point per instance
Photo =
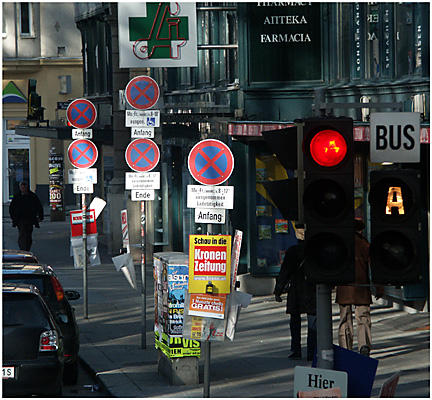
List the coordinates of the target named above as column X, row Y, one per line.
column 33, row 358
column 44, row 278
column 19, row 256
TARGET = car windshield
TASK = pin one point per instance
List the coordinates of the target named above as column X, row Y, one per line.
column 23, row 309
column 26, row 279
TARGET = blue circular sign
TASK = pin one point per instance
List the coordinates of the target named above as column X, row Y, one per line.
column 81, row 113
column 142, row 92
column 142, row 155
column 82, row 153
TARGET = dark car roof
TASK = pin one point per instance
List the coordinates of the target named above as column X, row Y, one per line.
column 24, row 268
column 19, row 288
column 21, row 255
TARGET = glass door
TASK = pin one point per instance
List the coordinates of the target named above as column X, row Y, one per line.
column 18, row 170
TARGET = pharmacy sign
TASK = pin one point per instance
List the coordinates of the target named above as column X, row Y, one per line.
column 157, row 35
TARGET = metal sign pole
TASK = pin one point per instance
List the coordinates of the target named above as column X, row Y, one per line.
column 84, row 236
column 143, row 277
column 207, row 350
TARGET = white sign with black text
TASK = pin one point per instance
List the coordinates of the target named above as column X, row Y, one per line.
column 142, row 180
column 82, row 175
column 142, row 195
column 395, row 137
column 309, row 379
column 200, row 196
column 142, row 118
column 209, row 216
column 82, row 188
column 138, row 132
column 82, row 133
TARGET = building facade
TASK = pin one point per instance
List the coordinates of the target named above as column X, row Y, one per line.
column 40, row 42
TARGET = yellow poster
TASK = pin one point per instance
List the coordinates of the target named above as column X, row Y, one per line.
column 209, row 261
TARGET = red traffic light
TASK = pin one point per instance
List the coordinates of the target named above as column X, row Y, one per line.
column 328, row 148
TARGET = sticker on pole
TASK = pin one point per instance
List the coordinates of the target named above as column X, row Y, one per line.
column 81, row 113
column 211, row 162
column 142, row 92
column 142, row 155
column 82, row 153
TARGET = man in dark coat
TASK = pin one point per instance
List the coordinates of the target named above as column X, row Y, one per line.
column 301, row 297
column 25, row 210
column 359, row 295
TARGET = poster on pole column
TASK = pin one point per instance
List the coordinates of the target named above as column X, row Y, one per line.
column 209, row 260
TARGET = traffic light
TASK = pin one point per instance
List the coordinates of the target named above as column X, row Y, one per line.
column 394, row 199
column 328, row 200
column 34, row 109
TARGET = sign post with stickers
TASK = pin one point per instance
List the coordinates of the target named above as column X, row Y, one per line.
column 142, row 155
column 82, row 154
column 211, row 301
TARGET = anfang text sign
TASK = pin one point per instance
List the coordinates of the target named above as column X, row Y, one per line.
column 82, row 133
column 142, row 132
column 142, row 180
column 209, row 216
column 200, row 196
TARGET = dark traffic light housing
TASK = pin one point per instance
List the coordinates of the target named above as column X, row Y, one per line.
column 394, row 199
column 35, row 111
column 328, row 200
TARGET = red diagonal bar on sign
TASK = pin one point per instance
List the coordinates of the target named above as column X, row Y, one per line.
column 211, row 162
column 81, row 113
column 82, row 153
column 141, row 154
column 141, row 92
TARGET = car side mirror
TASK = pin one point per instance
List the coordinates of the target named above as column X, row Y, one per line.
column 72, row 294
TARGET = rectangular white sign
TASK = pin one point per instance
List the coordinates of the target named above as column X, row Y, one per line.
column 310, row 379
column 142, row 132
column 209, row 216
column 82, row 175
column 395, row 137
column 140, row 195
column 82, row 188
column 201, row 196
column 141, row 45
column 142, row 180
column 142, row 118
column 82, row 133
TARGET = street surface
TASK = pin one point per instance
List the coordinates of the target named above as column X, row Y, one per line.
column 254, row 365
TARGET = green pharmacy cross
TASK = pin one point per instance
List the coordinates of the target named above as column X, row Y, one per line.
column 159, row 35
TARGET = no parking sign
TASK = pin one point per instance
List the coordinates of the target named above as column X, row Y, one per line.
column 142, row 155
column 81, row 113
column 211, row 162
column 82, row 153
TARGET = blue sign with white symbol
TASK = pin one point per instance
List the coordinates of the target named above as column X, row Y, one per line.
column 142, row 155
column 211, row 162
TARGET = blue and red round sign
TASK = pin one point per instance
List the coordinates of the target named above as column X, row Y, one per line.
column 82, row 153
column 81, row 113
column 211, row 162
column 142, row 155
column 142, row 92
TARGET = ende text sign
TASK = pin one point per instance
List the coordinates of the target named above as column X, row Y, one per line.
column 395, row 137
column 142, row 118
column 199, row 196
column 142, row 180
column 80, row 188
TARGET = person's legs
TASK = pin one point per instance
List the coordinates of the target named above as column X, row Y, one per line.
column 311, row 336
column 346, row 330
column 364, row 336
column 25, row 236
column 295, row 327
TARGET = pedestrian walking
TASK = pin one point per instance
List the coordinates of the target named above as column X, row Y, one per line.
column 357, row 294
column 301, row 297
column 26, row 211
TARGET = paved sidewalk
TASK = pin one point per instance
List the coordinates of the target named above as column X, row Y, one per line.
column 254, row 365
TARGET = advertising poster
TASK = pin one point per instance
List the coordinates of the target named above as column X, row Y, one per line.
column 177, row 287
column 207, row 305
column 209, row 260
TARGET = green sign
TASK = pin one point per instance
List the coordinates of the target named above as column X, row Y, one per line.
column 285, row 42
